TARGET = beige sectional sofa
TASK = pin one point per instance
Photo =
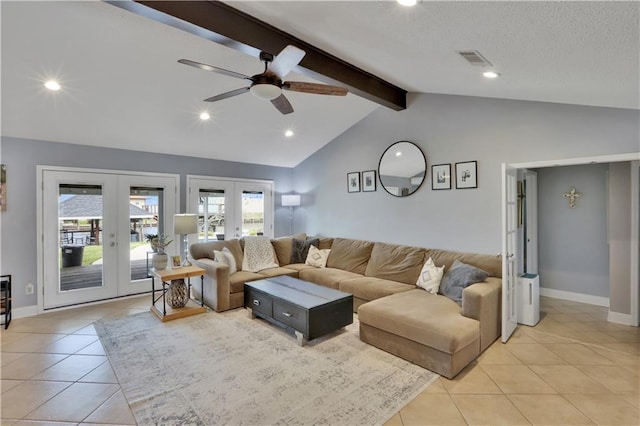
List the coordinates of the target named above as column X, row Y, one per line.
column 394, row 314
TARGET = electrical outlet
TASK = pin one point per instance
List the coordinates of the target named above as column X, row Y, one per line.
column 28, row 289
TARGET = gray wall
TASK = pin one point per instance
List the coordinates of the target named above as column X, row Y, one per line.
column 620, row 236
column 19, row 221
column 449, row 129
column 572, row 242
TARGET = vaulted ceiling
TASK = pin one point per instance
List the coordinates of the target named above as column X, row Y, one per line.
column 122, row 86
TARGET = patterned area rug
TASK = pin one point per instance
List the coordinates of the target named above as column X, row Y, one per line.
column 225, row 368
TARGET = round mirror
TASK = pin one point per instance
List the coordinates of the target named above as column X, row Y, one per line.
column 402, row 169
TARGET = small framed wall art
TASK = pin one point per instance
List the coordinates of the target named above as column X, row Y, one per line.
column 467, row 175
column 369, row 181
column 353, row 182
column 441, row 176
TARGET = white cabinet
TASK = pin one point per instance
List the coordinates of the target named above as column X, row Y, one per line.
column 529, row 290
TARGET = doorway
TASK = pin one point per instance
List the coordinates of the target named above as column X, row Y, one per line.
column 634, row 283
column 94, row 226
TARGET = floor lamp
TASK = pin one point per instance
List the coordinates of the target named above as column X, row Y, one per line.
column 291, row 201
column 185, row 224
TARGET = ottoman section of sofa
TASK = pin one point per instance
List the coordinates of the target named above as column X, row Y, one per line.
column 423, row 328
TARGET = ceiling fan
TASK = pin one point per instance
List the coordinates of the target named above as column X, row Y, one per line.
column 269, row 84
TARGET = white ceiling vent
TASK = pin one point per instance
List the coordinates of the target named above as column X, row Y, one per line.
column 474, row 58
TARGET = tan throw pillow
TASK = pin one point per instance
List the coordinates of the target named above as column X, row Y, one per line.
column 225, row 256
column 317, row 257
column 430, row 277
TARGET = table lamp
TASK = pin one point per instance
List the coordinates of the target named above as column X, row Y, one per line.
column 185, row 224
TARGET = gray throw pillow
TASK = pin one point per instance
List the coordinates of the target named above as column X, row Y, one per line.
column 459, row 277
column 300, row 249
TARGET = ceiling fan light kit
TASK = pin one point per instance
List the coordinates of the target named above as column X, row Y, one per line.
column 268, row 86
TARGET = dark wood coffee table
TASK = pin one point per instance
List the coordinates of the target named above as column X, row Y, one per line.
column 309, row 309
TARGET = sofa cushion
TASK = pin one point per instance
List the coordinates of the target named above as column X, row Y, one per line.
column 371, row 288
column 237, row 280
column 325, row 243
column 299, row 266
column 283, row 245
column 428, row 319
column 459, row 277
column 487, row 262
column 350, row 255
column 395, row 262
column 317, row 258
column 205, row 250
column 276, row 272
column 328, row 277
column 300, row 249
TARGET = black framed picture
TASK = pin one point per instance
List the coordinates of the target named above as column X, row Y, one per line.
column 467, row 175
column 441, row 176
column 369, row 181
column 353, row 182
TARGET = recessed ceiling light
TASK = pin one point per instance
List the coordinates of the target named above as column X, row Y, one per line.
column 204, row 116
column 288, row 133
column 491, row 74
column 407, row 2
column 398, row 153
column 52, row 85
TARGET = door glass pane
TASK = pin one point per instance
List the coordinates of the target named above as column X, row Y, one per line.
column 145, row 213
column 80, row 212
column 252, row 213
column 211, row 215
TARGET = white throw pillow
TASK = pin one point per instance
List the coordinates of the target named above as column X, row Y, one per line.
column 226, row 257
column 430, row 277
column 317, row 257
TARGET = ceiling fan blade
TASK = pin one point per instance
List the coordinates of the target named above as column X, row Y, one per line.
column 315, row 88
column 286, row 61
column 282, row 104
column 213, row 69
column 227, row 95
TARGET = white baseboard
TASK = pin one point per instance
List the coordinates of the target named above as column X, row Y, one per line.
column 574, row 297
column 619, row 318
column 27, row 311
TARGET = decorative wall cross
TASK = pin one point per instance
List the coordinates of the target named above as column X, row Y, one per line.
column 572, row 195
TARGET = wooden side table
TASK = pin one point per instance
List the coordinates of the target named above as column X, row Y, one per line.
column 159, row 304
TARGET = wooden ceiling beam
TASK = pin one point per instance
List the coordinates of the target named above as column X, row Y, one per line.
column 221, row 23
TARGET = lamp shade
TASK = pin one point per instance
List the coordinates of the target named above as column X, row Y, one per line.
column 291, row 200
column 185, row 224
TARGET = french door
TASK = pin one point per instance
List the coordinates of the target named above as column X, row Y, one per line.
column 230, row 208
column 94, row 227
column 509, row 246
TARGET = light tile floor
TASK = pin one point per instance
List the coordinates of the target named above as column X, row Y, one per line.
column 54, row 369
column 572, row 368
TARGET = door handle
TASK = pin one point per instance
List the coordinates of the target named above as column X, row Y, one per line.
column 113, row 244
